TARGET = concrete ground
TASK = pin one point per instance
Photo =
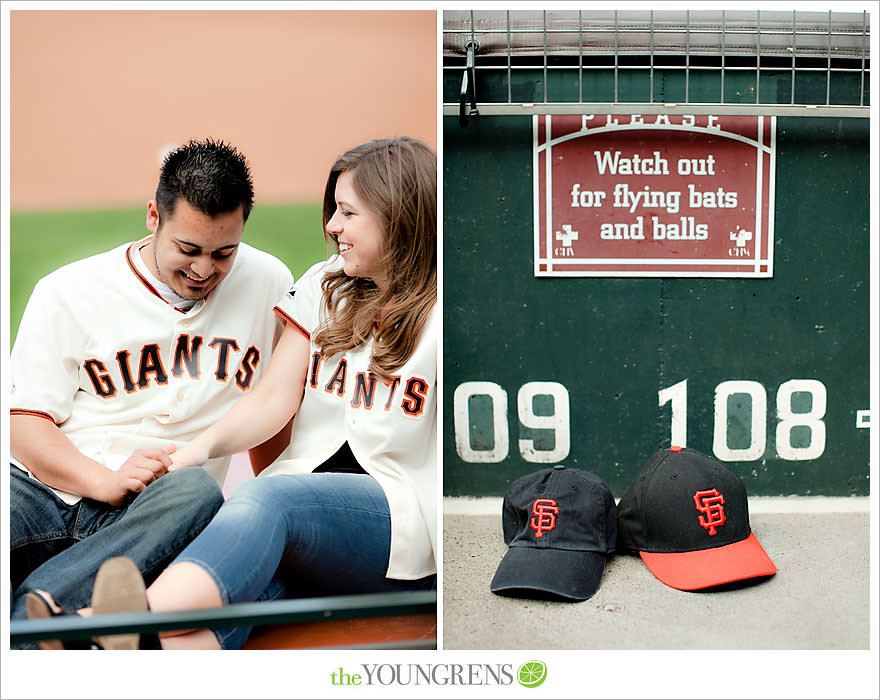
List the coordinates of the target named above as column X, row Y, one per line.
column 819, row 598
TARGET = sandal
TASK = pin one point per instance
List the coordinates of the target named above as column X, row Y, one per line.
column 39, row 607
column 119, row 587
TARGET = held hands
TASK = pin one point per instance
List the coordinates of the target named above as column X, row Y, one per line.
column 189, row 456
column 137, row 472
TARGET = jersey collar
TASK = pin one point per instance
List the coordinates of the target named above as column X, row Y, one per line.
column 134, row 249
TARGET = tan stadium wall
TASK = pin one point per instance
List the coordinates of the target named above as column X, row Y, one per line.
column 96, row 96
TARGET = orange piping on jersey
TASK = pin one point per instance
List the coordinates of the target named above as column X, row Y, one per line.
column 288, row 319
column 142, row 279
column 28, row 412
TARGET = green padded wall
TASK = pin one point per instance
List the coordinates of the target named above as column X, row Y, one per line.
column 614, row 347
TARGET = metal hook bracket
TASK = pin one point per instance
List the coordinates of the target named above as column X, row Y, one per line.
column 468, row 87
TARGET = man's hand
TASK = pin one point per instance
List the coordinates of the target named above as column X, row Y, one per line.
column 137, row 472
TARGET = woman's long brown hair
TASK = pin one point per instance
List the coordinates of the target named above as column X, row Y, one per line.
column 397, row 179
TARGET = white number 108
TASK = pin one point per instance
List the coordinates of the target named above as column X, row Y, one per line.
column 739, row 392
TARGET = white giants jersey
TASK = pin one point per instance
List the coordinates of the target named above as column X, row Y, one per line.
column 391, row 427
column 117, row 368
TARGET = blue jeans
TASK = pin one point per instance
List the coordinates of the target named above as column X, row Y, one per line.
column 298, row 535
column 59, row 547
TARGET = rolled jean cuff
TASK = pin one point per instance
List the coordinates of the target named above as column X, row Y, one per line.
column 208, row 569
column 233, row 637
column 227, row 637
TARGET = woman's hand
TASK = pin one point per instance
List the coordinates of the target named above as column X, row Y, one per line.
column 261, row 412
column 190, row 455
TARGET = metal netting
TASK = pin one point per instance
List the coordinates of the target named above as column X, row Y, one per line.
column 760, row 62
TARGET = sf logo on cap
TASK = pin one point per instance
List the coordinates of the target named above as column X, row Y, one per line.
column 711, row 504
column 545, row 511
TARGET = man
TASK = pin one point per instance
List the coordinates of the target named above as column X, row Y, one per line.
column 119, row 358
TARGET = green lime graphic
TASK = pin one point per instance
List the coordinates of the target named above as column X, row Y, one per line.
column 532, row 673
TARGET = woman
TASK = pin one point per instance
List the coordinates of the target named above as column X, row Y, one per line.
column 350, row 508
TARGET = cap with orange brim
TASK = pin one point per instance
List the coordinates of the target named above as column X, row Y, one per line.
column 687, row 515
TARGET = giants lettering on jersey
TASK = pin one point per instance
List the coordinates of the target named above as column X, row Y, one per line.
column 412, row 398
column 146, row 367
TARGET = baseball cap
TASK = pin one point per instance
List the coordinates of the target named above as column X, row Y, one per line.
column 560, row 526
column 687, row 515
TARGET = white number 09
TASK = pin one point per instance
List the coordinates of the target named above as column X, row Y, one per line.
column 557, row 421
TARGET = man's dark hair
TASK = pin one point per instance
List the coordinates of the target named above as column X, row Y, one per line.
column 212, row 176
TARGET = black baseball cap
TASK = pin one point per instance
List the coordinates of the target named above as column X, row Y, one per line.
column 687, row 515
column 561, row 527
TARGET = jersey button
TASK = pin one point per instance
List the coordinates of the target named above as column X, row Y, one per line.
column 180, row 396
